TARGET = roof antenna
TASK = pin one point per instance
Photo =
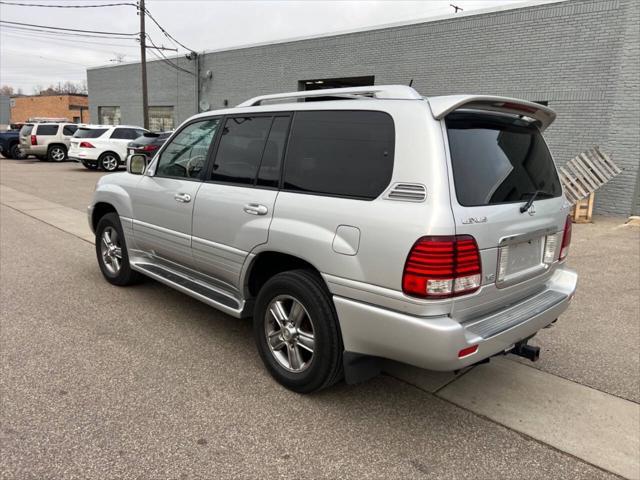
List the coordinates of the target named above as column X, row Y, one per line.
column 411, row 82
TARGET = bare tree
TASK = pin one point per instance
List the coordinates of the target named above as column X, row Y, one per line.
column 6, row 90
column 66, row 88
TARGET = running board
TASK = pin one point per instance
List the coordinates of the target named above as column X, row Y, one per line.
column 213, row 296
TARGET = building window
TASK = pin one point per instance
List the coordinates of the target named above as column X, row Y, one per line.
column 161, row 119
column 109, row 115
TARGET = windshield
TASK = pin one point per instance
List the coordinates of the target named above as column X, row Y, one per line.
column 89, row 132
column 499, row 159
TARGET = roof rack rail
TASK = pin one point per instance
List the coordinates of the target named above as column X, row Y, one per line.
column 396, row 92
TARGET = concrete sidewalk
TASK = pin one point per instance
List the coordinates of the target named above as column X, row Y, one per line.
column 597, row 427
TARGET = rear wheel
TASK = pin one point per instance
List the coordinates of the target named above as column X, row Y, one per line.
column 112, row 253
column 57, row 153
column 296, row 332
column 109, row 162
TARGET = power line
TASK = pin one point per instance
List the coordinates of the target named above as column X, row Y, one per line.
column 167, row 34
column 66, row 6
column 55, row 39
column 62, row 34
column 69, row 29
column 166, row 60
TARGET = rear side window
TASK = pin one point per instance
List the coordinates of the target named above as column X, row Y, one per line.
column 269, row 174
column 126, row 133
column 89, row 132
column 344, row 153
column 240, row 150
column 47, row 130
column 499, row 159
column 26, row 130
column 69, row 129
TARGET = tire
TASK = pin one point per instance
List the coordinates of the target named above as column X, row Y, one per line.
column 109, row 162
column 115, row 269
column 16, row 153
column 57, row 153
column 302, row 372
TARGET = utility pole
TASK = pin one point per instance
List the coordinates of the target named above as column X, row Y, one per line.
column 143, row 66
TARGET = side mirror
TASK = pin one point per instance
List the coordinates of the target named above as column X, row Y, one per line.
column 136, row 164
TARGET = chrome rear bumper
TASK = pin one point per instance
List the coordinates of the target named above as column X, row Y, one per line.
column 434, row 342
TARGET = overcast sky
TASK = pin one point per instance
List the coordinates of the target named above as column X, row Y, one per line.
column 30, row 59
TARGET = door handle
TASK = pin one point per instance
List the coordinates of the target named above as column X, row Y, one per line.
column 182, row 197
column 255, row 209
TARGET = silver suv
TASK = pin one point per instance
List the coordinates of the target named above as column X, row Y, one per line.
column 372, row 224
column 47, row 141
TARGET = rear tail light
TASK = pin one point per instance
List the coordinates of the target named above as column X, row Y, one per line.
column 442, row 267
column 34, row 140
column 149, row 148
column 86, row 145
column 566, row 239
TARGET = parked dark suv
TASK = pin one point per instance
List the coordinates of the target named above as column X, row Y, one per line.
column 148, row 144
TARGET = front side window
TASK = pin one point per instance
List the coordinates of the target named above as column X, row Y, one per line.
column 343, row 153
column 498, row 159
column 186, row 155
column 240, row 150
column 47, row 130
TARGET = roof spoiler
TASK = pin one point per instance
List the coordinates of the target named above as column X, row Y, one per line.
column 442, row 106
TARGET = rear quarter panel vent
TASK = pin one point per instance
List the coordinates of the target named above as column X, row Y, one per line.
column 407, row 192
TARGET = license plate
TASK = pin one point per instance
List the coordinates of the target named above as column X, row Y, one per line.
column 131, row 151
column 518, row 258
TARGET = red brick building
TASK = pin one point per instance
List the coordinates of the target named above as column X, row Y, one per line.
column 75, row 108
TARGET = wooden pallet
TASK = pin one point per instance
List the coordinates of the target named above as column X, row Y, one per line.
column 583, row 209
column 585, row 173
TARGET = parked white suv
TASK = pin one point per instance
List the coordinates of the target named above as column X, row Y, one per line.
column 381, row 225
column 103, row 146
column 47, row 141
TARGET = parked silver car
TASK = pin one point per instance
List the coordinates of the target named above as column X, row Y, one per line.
column 47, row 141
column 372, row 224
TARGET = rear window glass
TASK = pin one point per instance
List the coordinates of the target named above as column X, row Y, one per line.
column 343, row 153
column 89, row 132
column 499, row 159
column 26, row 130
column 69, row 129
column 47, row 130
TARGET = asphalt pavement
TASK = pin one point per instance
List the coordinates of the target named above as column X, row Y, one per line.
column 144, row 382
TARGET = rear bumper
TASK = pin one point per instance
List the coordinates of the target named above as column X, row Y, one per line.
column 34, row 149
column 434, row 342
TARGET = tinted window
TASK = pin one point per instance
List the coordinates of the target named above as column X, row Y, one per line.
column 126, row 133
column 89, row 132
column 47, row 130
column 69, row 129
column 347, row 153
column 241, row 145
column 269, row 174
column 497, row 159
column 186, row 154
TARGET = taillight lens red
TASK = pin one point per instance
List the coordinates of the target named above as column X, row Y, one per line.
column 86, row 145
column 566, row 238
column 34, row 140
column 149, row 148
column 442, row 267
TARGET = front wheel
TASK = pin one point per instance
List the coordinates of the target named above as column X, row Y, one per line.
column 112, row 254
column 296, row 331
column 16, row 153
column 109, row 162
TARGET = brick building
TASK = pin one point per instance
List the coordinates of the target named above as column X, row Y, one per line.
column 580, row 57
column 75, row 108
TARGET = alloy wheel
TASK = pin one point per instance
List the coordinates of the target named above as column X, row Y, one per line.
column 290, row 334
column 111, row 250
column 109, row 163
column 57, row 154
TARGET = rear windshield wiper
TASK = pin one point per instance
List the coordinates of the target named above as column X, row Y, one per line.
column 534, row 195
